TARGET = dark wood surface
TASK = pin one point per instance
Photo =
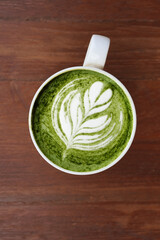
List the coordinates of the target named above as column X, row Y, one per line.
column 38, row 202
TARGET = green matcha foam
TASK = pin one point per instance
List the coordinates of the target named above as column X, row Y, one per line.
column 82, row 120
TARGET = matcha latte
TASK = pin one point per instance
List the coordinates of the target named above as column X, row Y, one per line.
column 82, row 120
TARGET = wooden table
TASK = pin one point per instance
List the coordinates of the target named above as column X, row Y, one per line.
column 38, row 38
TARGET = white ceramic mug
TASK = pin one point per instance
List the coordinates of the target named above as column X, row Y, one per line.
column 95, row 60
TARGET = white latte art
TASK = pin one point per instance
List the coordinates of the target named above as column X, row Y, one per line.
column 80, row 119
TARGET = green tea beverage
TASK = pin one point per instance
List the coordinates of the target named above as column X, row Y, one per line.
column 82, row 120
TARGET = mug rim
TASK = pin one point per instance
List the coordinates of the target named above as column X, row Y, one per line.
column 133, row 112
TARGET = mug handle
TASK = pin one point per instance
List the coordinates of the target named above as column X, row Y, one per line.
column 97, row 52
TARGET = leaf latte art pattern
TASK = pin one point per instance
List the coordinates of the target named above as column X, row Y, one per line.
column 81, row 118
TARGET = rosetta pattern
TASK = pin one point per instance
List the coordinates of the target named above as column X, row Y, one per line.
column 80, row 119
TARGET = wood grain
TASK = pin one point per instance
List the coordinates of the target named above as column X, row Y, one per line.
column 37, row 202
column 80, row 10
column 53, row 46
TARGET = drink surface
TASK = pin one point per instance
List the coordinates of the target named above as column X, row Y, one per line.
column 82, row 120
